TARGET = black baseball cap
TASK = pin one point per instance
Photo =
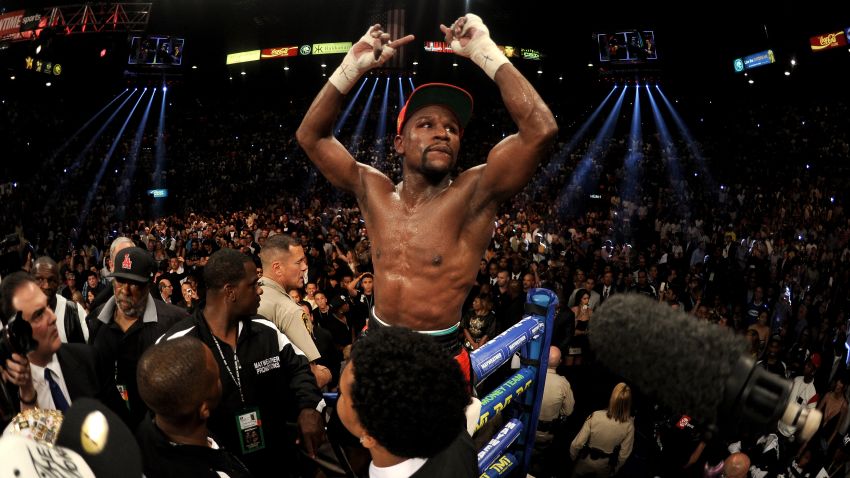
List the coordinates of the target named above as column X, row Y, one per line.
column 101, row 438
column 456, row 99
column 134, row 263
column 338, row 301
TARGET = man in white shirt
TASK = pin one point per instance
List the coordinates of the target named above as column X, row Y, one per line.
column 70, row 316
column 803, row 393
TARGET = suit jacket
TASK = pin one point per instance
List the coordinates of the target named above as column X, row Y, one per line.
column 600, row 287
column 82, row 380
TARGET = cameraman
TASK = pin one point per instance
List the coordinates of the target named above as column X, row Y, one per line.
column 52, row 374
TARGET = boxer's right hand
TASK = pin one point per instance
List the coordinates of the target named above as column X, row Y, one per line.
column 373, row 49
column 470, row 37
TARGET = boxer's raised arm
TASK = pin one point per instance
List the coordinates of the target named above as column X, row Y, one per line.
column 512, row 162
column 315, row 135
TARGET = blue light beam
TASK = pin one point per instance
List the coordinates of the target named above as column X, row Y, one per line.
column 572, row 199
column 670, row 157
column 342, row 119
column 354, row 143
column 105, row 163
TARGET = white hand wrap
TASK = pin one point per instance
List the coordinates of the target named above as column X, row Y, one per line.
column 481, row 49
column 359, row 59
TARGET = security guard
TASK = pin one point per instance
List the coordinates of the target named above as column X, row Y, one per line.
column 266, row 381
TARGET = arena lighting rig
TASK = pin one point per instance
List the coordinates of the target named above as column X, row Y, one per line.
column 32, row 23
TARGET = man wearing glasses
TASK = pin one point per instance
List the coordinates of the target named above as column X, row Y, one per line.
column 128, row 323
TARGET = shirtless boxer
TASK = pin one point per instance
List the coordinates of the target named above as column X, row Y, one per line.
column 430, row 231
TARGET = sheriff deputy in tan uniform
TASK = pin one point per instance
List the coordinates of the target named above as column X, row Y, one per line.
column 284, row 267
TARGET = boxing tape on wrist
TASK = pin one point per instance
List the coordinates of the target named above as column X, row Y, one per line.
column 346, row 74
column 353, row 66
column 481, row 49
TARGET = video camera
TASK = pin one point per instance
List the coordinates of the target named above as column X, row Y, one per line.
column 17, row 338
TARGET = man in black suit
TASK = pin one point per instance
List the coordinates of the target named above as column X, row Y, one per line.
column 54, row 374
column 128, row 323
column 606, row 288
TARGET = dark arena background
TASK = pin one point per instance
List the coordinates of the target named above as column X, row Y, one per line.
column 702, row 159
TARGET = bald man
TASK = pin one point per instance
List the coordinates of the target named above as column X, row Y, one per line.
column 736, row 466
column 558, row 400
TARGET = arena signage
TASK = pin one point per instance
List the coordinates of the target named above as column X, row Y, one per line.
column 279, row 52
column 243, row 57
column 331, row 48
column 46, row 67
column 158, row 193
column 828, row 40
column 10, row 24
column 529, row 54
column 438, row 47
column 753, row 61
column 30, row 21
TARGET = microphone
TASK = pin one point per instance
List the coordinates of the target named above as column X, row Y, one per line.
column 694, row 367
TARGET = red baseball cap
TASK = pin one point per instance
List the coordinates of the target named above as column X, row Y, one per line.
column 456, row 99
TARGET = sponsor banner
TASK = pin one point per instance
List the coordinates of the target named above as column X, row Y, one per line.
column 46, row 67
column 331, row 48
column 30, row 20
column 438, row 47
column 279, row 52
column 847, row 34
column 758, row 59
column 10, row 25
column 828, row 40
column 529, row 54
column 752, row 61
column 243, row 57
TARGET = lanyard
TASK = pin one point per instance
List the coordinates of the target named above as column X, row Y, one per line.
column 235, row 378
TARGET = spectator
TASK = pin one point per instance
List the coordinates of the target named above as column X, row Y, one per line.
column 128, row 323
column 179, row 382
column 71, row 319
column 259, row 397
column 416, row 436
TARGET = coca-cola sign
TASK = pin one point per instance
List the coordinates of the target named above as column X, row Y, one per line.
column 827, row 41
column 279, row 52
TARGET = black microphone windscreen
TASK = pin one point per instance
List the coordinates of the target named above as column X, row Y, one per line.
column 681, row 361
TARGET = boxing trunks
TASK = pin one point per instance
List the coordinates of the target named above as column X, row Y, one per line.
column 448, row 339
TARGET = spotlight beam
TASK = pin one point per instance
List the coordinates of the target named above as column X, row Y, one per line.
column 631, row 178
column 400, row 95
column 354, row 143
column 159, row 153
column 99, row 132
column 554, row 167
column 571, row 200
column 105, row 163
column 670, row 157
column 381, row 134
column 689, row 141
column 86, row 125
column 342, row 119
column 130, row 169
